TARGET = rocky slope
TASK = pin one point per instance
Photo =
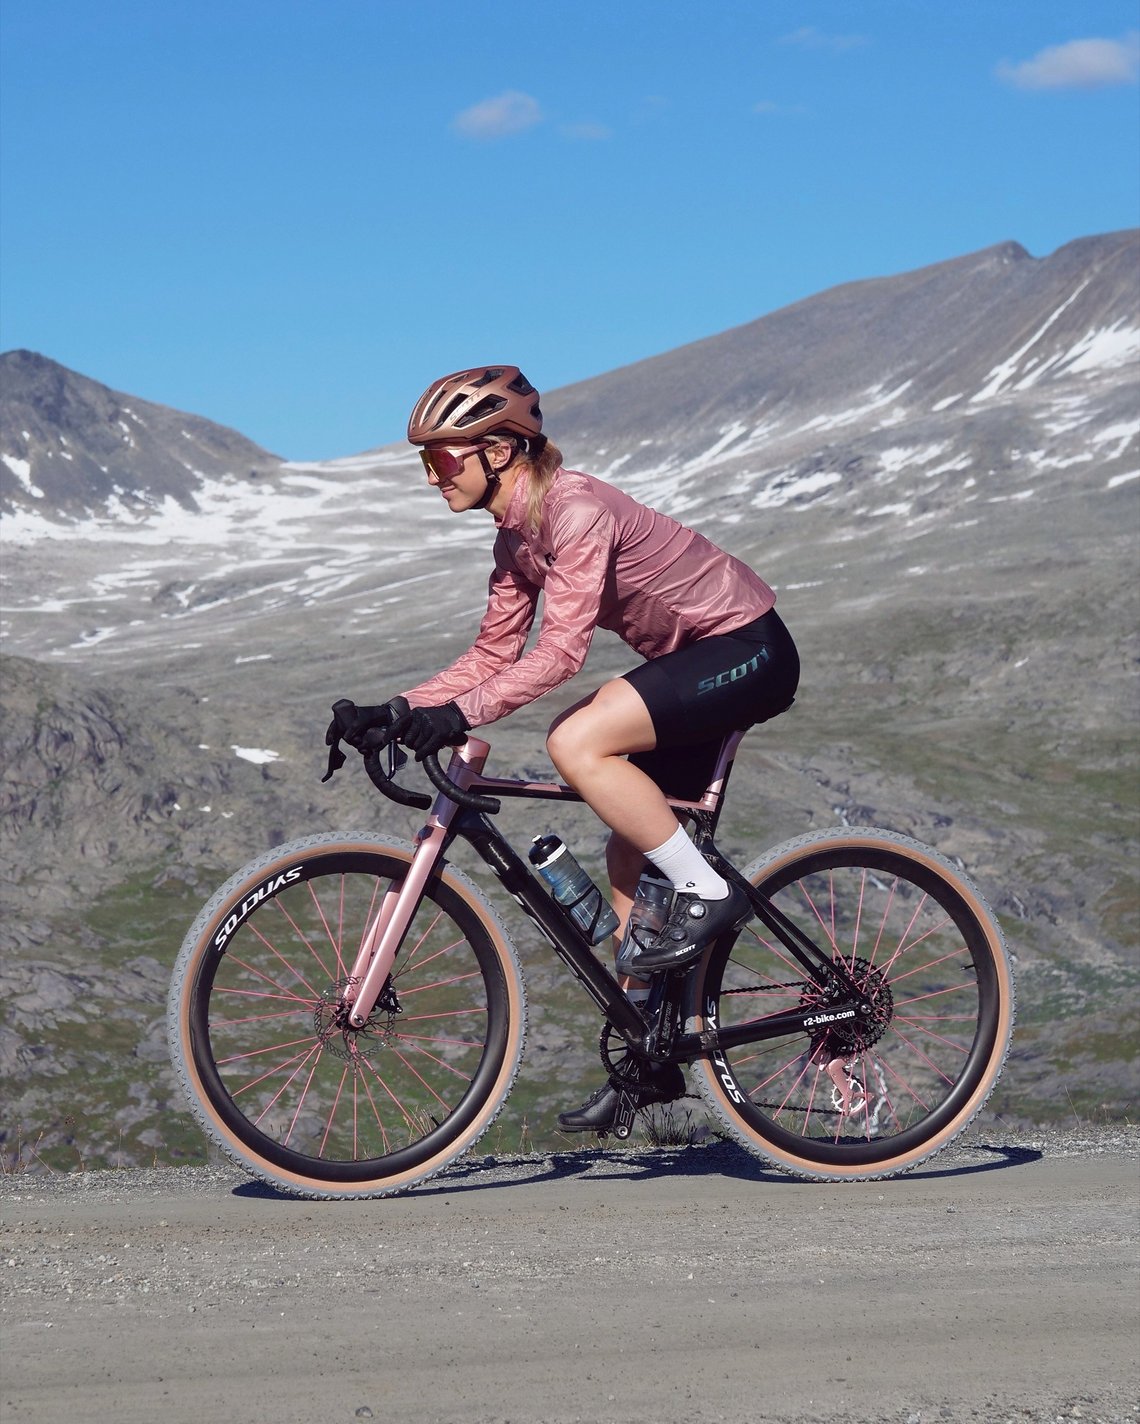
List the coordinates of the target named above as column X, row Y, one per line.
column 72, row 446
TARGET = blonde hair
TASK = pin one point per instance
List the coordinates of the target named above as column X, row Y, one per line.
column 541, row 470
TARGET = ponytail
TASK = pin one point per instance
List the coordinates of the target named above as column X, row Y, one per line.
column 542, row 466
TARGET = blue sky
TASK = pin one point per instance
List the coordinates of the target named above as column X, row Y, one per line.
column 289, row 217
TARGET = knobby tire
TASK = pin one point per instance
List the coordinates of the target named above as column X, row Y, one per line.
column 279, row 1082
column 830, row 1102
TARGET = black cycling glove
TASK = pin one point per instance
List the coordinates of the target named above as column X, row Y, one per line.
column 431, row 728
column 390, row 718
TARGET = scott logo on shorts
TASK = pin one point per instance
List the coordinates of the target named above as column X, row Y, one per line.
column 722, row 679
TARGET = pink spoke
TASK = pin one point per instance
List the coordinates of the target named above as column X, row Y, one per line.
column 796, row 1083
column 411, row 953
column 259, row 974
column 883, row 920
column 936, row 994
column 409, row 1121
column 775, row 949
column 962, row 1048
column 423, row 1081
column 332, row 1114
column 296, row 973
column 866, row 1092
column 930, row 1063
column 370, row 915
column 334, row 939
column 313, row 1053
column 439, row 1039
column 801, row 886
column 886, row 1098
column 285, row 996
column 260, row 1052
column 942, row 959
column 903, row 1084
column 440, row 984
column 440, row 1062
column 858, row 918
column 809, row 1105
column 300, row 933
column 905, row 948
column 447, row 948
column 269, row 1073
column 444, row 1014
column 902, row 945
column 301, row 1099
column 362, row 1081
column 252, row 1018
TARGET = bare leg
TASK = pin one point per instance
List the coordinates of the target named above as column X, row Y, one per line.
column 588, row 744
column 623, row 862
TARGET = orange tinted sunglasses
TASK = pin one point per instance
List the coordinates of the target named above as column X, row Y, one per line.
column 446, row 461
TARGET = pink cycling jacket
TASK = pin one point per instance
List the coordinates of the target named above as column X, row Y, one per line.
column 601, row 560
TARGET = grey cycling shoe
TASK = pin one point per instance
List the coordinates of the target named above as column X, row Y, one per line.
column 692, row 926
column 597, row 1113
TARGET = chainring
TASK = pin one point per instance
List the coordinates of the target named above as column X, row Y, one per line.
column 625, row 1069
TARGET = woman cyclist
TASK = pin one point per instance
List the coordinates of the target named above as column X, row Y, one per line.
column 716, row 657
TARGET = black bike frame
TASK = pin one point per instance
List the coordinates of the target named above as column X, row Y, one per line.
column 464, row 785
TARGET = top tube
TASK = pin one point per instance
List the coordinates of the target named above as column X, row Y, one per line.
column 472, row 756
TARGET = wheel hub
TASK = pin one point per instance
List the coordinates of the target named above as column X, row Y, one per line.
column 855, row 1035
column 340, row 1037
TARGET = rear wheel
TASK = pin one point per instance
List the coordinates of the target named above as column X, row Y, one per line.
column 840, row 1099
column 273, row 1071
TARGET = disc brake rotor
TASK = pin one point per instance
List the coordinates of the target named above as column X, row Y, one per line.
column 338, row 1036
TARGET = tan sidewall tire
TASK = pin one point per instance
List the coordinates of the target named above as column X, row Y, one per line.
column 199, row 942
column 717, row 1094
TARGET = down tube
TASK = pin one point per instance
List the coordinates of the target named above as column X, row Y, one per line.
column 567, row 943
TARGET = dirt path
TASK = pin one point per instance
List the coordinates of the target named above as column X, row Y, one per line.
column 595, row 1286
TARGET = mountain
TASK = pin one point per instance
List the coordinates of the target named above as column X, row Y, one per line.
column 958, row 336
column 939, row 471
column 72, row 447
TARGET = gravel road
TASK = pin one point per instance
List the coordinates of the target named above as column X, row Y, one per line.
column 636, row 1286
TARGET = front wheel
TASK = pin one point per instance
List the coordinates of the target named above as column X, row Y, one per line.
column 837, row 1100
column 272, row 1070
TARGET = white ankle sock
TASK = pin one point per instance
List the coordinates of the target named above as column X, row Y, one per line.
column 682, row 863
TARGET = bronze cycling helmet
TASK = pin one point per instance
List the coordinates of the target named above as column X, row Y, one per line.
column 468, row 405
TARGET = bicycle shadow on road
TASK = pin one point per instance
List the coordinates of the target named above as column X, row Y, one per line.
column 599, row 1164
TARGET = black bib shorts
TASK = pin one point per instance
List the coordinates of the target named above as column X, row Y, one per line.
column 717, row 685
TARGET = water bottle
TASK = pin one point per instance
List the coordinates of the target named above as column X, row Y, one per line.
column 651, row 904
column 573, row 888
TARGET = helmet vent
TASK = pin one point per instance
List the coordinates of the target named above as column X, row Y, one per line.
column 487, row 406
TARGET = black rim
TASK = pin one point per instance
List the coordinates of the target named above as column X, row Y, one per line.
column 862, row 1148
column 445, row 1125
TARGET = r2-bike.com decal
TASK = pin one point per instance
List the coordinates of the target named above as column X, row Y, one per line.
column 251, row 902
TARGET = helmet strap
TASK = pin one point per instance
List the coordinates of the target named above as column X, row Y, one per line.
column 493, row 482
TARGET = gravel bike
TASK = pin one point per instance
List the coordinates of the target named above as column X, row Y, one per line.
column 347, row 1013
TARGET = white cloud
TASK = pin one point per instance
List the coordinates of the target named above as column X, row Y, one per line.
column 811, row 37
column 1080, row 64
column 506, row 114
column 587, row 132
